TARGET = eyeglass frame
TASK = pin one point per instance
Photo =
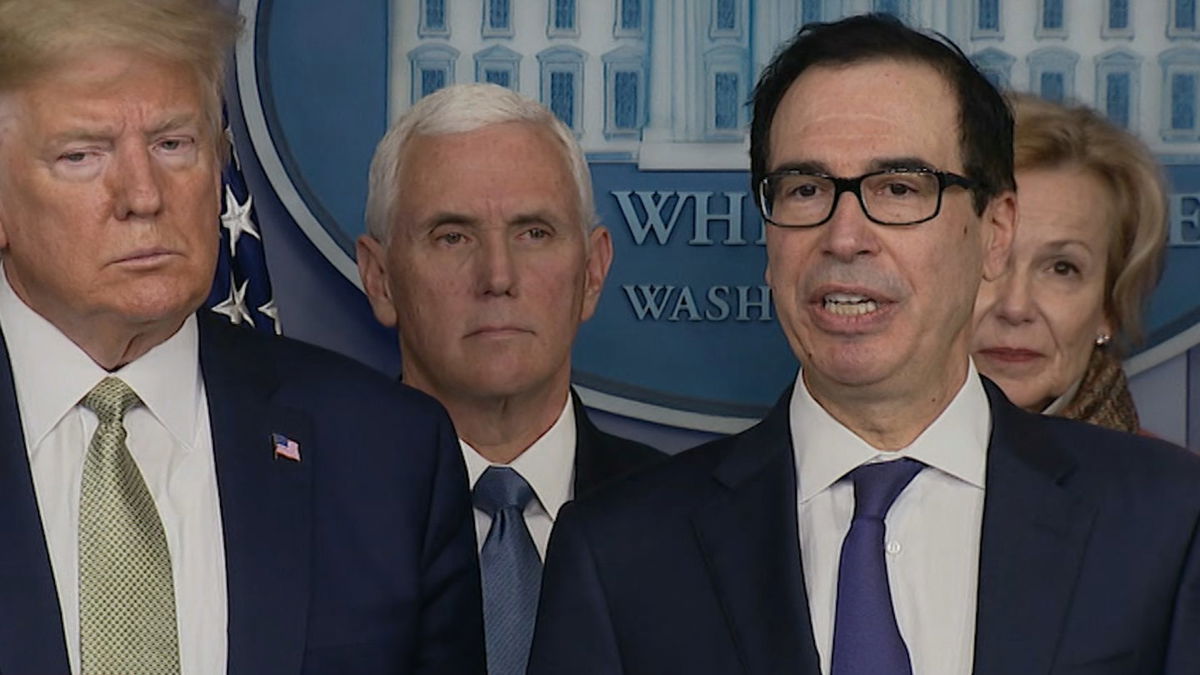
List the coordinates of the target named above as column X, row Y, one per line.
column 946, row 179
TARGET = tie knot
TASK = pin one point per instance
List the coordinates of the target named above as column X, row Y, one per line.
column 501, row 488
column 110, row 400
column 877, row 485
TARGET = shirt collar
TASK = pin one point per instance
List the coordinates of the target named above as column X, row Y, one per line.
column 955, row 443
column 51, row 373
column 548, row 465
column 167, row 379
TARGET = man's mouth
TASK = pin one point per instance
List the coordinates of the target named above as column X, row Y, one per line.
column 848, row 304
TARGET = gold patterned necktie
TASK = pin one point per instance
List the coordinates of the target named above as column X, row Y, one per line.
column 126, row 592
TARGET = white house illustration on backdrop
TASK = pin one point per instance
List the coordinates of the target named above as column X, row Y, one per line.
column 663, row 83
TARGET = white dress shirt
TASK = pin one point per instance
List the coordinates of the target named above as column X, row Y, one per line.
column 933, row 528
column 171, row 442
column 548, row 466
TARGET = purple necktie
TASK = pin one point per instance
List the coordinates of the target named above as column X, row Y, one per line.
column 866, row 639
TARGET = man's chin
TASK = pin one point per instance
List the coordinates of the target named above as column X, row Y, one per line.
column 848, row 368
column 507, row 382
column 158, row 310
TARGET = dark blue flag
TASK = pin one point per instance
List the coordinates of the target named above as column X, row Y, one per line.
column 241, row 288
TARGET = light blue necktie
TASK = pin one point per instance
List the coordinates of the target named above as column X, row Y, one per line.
column 511, row 568
column 866, row 638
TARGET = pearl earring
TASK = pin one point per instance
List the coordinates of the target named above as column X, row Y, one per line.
column 1103, row 339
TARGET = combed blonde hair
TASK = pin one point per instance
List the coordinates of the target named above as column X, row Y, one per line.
column 37, row 36
column 1050, row 135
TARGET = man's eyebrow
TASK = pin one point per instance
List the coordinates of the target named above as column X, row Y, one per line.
column 102, row 133
column 173, row 123
column 98, row 134
column 532, row 218
column 448, row 218
column 803, row 167
column 442, row 218
column 880, row 164
column 895, row 163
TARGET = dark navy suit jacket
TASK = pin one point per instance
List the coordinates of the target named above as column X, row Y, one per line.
column 602, row 458
column 1089, row 560
column 360, row 558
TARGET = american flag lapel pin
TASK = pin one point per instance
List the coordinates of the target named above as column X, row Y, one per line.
column 285, row 447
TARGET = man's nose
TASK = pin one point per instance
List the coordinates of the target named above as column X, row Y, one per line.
column 136, row 184
column 848, row 233
column 497, row 272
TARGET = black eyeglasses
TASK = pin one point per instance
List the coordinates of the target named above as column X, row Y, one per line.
column 892, row 197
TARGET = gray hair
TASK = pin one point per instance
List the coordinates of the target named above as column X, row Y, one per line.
column 457, row 109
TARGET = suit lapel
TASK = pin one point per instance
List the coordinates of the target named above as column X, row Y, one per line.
column 1034, row 536
column 586, row 455
column 265, row 504
column 749, row 538
column 31, row 629
column 590, row 468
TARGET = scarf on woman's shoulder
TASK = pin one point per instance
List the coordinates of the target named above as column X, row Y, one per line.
column 1103, row 396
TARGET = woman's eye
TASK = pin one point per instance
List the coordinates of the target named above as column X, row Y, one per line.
column 1064, row 268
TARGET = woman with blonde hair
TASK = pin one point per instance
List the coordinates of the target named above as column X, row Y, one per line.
column 1088, row 251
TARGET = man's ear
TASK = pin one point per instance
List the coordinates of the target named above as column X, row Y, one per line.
column 5, row 121
column 599, row 259
column 998, row 227
column 372, row 270
column 4, row 222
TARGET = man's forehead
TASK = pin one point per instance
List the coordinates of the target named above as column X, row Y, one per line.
column 480, row 141
column 866, row 112
column 892, row 77
column 89, row 123
column 160, row 96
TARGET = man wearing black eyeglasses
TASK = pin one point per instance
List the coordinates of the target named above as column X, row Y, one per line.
column 894, row 514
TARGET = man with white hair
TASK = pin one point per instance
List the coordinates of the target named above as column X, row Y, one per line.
column 179, row 496
column 484, row 251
